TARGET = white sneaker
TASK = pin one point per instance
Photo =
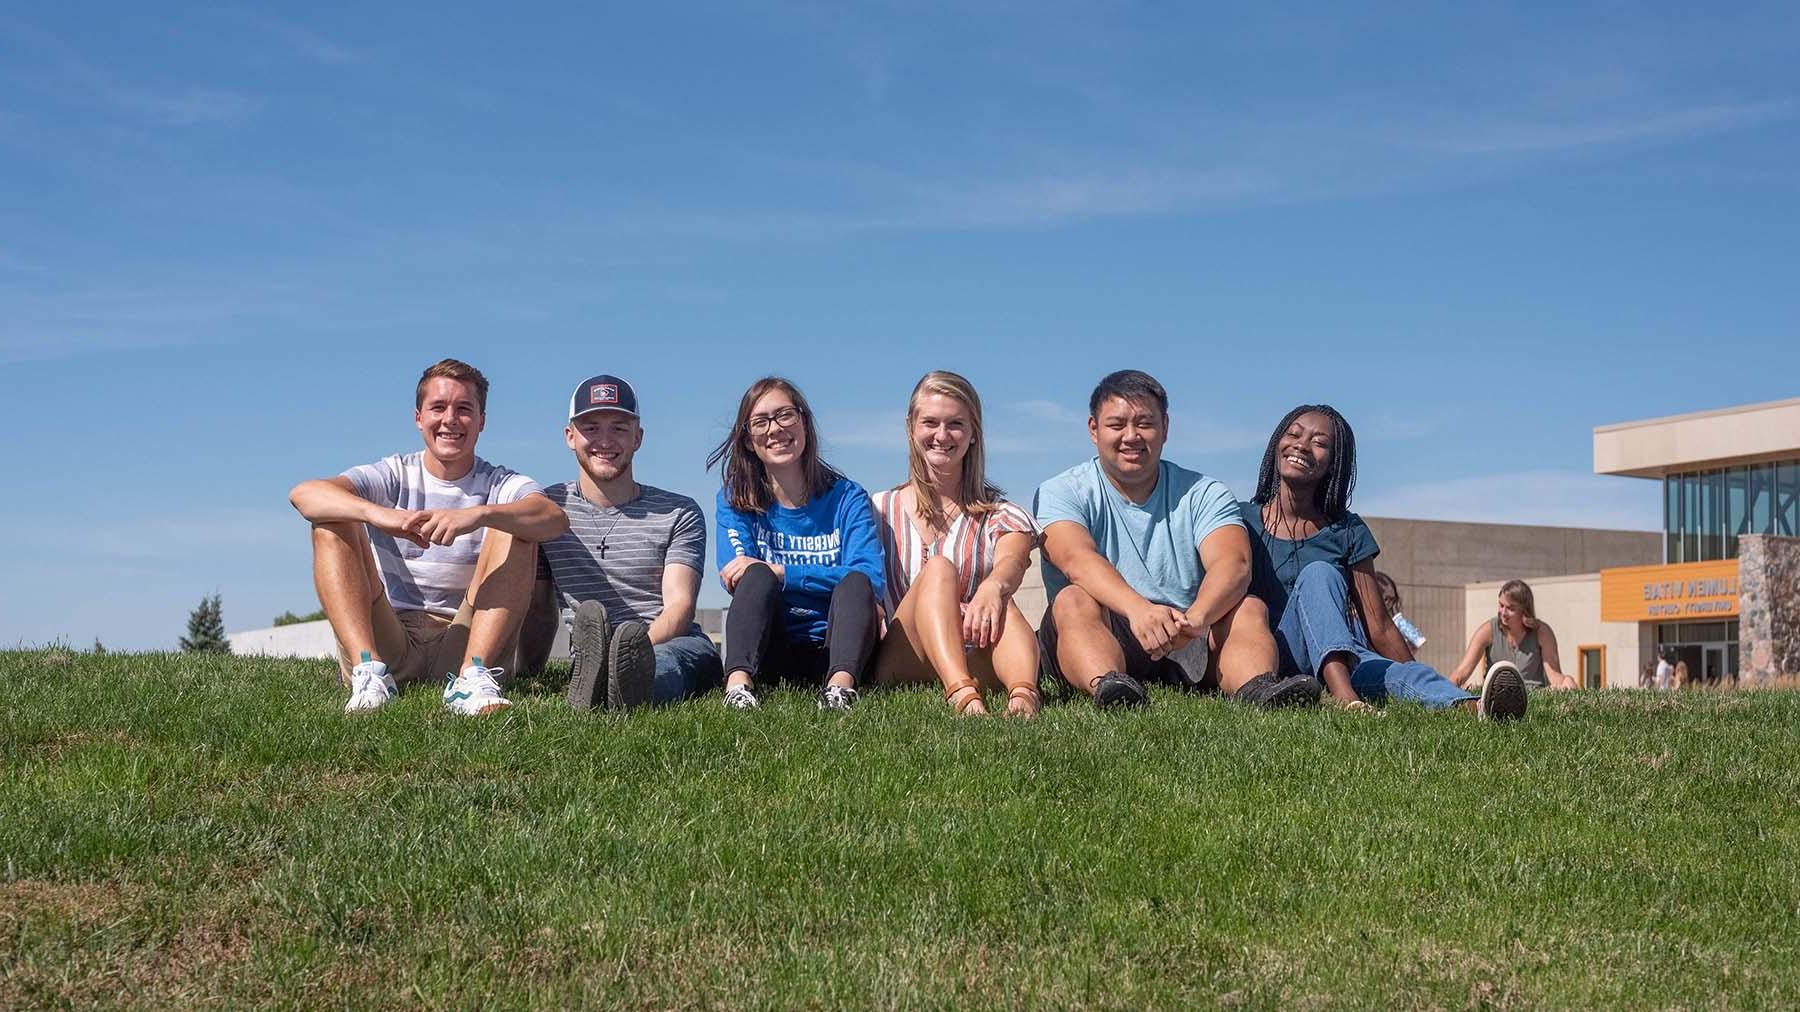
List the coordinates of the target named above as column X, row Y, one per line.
column 475, row 691
column 740, row 697
column 371, row 687
column 1503, row 695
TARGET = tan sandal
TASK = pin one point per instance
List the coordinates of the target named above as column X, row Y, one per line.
column 1033, row 699
column 970, row 694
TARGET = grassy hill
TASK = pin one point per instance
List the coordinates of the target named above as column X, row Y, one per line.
column 185, row 830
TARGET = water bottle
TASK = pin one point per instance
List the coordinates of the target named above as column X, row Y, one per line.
column 1408, row 630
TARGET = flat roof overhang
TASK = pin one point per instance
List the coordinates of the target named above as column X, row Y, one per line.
column 1702, row 440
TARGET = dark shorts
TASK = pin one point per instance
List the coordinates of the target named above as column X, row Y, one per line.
column 1138, row 664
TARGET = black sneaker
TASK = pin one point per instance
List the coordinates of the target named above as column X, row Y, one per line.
column 1503, row 695
column 1116, row 689
column 630, row 667
column 1268, row 692
column 588, row 640
column 837, row 697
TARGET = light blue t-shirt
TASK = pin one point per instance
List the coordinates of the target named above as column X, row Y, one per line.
column 1155, row 546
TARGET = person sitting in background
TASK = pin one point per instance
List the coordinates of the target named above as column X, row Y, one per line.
column 1313, row 566
column 956, row 552
column 1515, row 639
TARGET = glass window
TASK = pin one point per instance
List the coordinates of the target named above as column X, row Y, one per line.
column 1712, row 520
column 1737, row 508
column 1672, row 518
column 1593, row 667
column 1787, row 500
column 1761, row 493
column 1690, row 518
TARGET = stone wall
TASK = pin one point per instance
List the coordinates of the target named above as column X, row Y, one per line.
column 1768, row 607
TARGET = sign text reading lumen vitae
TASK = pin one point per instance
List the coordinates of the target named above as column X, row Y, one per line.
column 1696, row 590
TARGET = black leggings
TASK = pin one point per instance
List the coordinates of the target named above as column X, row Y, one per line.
column 756, row 640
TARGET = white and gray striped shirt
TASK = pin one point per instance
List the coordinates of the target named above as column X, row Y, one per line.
column 616, row 554
column 432, row 579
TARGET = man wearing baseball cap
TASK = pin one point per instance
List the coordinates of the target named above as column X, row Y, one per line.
column 628, row 568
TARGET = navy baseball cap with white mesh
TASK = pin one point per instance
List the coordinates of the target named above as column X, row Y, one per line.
column 602, row 393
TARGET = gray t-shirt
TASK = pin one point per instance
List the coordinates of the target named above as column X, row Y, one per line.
column 432, row 579
column 616, row 554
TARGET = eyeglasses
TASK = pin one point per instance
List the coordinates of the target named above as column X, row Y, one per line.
column 786, row 417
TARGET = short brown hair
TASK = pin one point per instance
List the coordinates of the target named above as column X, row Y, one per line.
column 462, row 372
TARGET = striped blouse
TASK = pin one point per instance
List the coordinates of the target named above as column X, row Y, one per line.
column 969, row 543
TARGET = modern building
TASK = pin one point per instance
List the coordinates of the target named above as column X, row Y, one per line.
column 1727, row 476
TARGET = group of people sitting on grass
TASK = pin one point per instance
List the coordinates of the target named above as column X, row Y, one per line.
column 437, row 563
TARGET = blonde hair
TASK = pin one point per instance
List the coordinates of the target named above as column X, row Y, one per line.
column 975, row 496
column 1518, row 592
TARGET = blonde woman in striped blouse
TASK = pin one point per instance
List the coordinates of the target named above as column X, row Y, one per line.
column 956, row 552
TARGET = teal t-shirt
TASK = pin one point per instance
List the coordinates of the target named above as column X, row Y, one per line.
column 1155, row 546
column 1275, row 563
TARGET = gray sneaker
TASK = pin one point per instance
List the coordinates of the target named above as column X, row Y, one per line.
column 588, row 640
column 630, row 667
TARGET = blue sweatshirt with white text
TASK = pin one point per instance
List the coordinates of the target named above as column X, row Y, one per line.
column 817, row 545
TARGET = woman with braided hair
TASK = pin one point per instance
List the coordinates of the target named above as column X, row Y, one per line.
column 1313, row 565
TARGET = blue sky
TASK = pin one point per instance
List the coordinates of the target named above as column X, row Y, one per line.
column 229, row 241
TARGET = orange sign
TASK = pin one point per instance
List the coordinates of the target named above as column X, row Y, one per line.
column 1686, row 590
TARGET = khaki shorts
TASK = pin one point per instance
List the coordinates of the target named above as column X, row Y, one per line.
column 422, row 646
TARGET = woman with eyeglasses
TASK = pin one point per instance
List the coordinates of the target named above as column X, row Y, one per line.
column 956, row 553
column 798, row 553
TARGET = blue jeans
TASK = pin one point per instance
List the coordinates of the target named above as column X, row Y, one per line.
column 686, row 666
column 1315, row 626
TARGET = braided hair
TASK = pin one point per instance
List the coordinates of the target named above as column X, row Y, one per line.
column 1331, row 495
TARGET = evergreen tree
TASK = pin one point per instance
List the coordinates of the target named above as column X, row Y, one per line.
column 99, row 647
column 206, row 628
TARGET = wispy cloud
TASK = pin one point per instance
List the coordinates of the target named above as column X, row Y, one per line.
column 1545, row 497
column 174, row 106
column 310, row 44
column 1661, row 125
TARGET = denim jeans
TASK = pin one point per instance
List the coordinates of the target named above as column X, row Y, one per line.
column 1315, row 626
column 686, row 666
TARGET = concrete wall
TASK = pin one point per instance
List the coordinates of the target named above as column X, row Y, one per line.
column 1768, row 607
column 313, row 639
column 1570, row 606
column 1434, row 561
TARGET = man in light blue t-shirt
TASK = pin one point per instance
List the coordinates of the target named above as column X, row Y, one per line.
column 1146, row 564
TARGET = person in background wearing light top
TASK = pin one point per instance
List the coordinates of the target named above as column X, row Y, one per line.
column 425, row 559
column 1146, row 564
column 1514, row 640
column 628, row 569
column 1314, row 567
column 956, row 552
column 798, row 553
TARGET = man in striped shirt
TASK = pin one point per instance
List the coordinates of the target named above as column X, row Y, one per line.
column 426, row 559
column 628, row 569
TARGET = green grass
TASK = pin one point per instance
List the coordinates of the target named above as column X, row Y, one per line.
column 178, row 831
